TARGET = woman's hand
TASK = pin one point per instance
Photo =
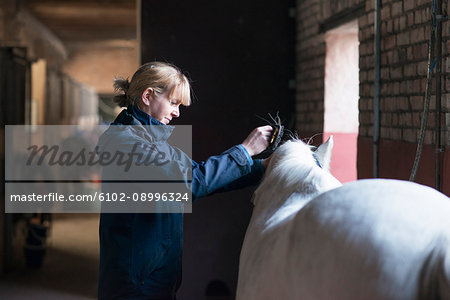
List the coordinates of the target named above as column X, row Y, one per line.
column 258, row 140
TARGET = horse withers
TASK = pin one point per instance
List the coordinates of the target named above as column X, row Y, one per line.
column 310, row 237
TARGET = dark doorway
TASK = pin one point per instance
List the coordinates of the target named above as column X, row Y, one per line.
column 15, row 110
column 15, row 86
column 240, row 56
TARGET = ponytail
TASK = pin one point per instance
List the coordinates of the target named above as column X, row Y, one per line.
column 121, row 86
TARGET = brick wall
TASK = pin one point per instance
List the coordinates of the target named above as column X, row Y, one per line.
column 310, row 50
column 405, row 33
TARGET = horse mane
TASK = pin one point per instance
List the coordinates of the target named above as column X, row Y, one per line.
column 292, row 168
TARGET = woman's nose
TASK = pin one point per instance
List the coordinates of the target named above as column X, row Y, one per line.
column 176, row 112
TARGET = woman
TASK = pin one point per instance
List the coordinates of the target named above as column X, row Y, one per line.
column 140, row 254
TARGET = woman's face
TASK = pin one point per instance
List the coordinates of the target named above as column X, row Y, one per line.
column 162, row 107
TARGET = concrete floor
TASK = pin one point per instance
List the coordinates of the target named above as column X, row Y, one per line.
column 70, row 266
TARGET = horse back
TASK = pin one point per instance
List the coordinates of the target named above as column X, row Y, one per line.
column 370, row 239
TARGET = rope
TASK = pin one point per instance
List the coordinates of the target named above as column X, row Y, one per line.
column 426, row 107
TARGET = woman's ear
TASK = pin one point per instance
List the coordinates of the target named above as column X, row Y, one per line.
column 146, row 95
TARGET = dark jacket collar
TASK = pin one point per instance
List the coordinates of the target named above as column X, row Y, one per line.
column 142, row 123
column 141, row 116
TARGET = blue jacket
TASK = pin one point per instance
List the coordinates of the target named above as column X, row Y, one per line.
column 140, row 253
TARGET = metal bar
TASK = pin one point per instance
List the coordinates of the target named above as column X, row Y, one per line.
column 376, row 102
column 438, row 97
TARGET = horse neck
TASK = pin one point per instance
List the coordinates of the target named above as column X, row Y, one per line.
column 279, row 197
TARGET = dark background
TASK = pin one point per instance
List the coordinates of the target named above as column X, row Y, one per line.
column 240, row 58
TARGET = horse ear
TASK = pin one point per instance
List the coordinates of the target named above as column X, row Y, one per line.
column 323, row 153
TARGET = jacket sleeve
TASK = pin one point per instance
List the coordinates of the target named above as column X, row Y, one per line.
column 230, row 170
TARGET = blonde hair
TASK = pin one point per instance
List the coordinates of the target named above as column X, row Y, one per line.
column 160, row 76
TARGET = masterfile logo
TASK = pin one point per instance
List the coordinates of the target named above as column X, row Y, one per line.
column 98, row 168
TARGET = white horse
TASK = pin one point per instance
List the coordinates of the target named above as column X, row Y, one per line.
column 312, row 238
